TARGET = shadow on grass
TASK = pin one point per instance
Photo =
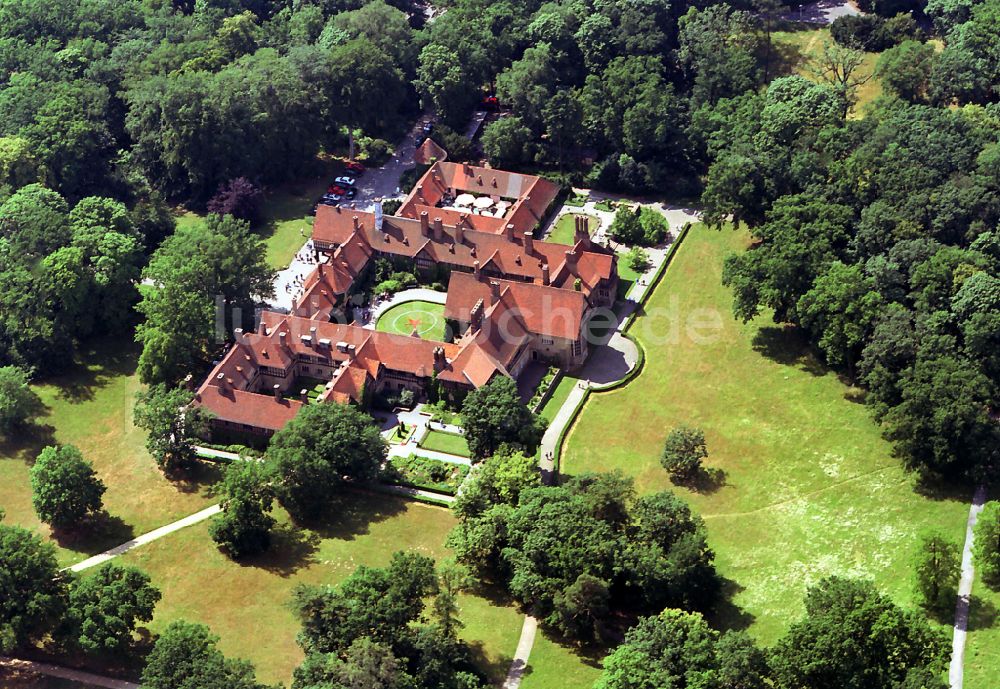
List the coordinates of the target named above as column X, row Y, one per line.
column 939, row 490
column 99, row 533
column 351, row 514
column 786, row 345
column 292, row 549
column 706, row 481
column 202, row 477
column 727, row 615
column 98, row 362
column 25, row 444
column 982, row 614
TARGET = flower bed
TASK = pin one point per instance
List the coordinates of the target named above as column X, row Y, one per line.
column 425, row 473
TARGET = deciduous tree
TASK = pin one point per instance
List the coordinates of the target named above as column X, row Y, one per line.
column 64, row 487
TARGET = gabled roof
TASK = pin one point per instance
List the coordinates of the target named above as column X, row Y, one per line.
column 465, row 247
column 548, row 311
column 531, row 195
column 429, row 152
column 253, row 409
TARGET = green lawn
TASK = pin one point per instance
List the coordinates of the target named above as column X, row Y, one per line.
column 626, row 275
column 982, row 651
column 247, row 604
column 440, row 441
column 559, row 395
column 805, row 485
column 91, row 407
column 554, row 664
column 427, row 318
column 563, row 231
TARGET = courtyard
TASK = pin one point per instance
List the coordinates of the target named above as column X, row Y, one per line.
column 424, row 318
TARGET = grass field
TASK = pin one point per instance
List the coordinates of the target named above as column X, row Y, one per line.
column 91, row 407
column 554, row 664
column 451, row 443
column 982, row 651
column 562, row 232
column 247, row 604
column 800, row 43
column 427, row 318
column 804, row 484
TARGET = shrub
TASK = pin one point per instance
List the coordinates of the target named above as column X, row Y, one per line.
column 637, row 259
column 986, row 546
column 654, row 226
column 683, row 453
column 391, row 206
column 239, row 198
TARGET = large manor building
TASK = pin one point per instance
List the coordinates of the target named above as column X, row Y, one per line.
column 511, row 300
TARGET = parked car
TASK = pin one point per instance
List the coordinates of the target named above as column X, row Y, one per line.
column 344, row 181
column 355, row 167
column 427, row 128
column 336, row 189
column 490, row 103
column 331, row 199
column 350, row 193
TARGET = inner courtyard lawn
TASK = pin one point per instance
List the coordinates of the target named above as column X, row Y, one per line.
column 247, row 604
column 90, row 406
column 563, row 231
column 803, row 484
column 451, row 443
column 425, row 317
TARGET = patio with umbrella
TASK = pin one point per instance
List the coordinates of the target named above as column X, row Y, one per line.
column 465, row 200
column 483, row 202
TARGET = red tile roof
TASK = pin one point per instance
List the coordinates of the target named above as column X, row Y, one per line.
column 252, row 409
column 464, row 248
column 547, row 311
column 429, row 152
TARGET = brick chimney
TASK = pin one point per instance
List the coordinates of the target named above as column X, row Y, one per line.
column 494, row 292
column 476, row 315
column 439, row 360
column 459, row 233
column 357, row 222
column 509, row 231
column 475, row 269
column 304, row 396
column 283, row 339
column 529, row 243
column 571, row 258
column 425, row 224
column 277, row 392
column 438, row 228
column 545, row 274
column 581, row 230
column 222, row 382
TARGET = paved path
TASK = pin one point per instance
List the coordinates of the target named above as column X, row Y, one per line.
column 955, row 671
column 147, row 538
column 407, row 449
column 822, row 12
column 520, row 662
column 411, row 492
column 64, row 673
column 217, row 454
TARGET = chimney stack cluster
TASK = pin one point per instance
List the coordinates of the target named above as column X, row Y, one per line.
column 529, row 243
column 545, row 274
column 425, row 224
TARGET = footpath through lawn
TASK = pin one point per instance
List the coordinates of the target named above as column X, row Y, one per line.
column 805, row 486
column 247, row 603
column 90, row 406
